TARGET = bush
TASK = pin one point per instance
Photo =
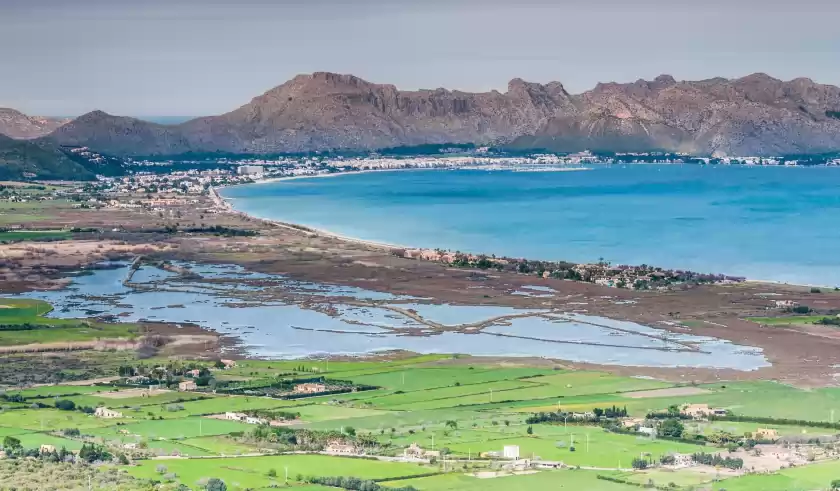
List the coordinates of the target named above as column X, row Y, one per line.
column 65, row 405
column 215, row 484
column 639, row 464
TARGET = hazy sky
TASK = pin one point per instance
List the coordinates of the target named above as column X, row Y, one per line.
column 191, row 57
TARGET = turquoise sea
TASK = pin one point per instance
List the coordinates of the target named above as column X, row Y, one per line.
column 768, row 223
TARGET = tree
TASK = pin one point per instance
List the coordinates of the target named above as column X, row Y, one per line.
column 671, row 428
column 530, row 430
column 452, row 424
column 835, row 484
column 65, row 405
column 215, row 484
column 11, row 443
column 349, row 430
column 123, row 460
column 160, row 469
column 639, row 464
column 272, row 473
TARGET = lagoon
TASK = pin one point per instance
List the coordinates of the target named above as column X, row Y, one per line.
column 767, row 223
column 273, row 316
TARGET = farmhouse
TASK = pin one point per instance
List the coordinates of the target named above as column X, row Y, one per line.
column 104, row 412
column 700, row 411
column 632, row 422
column 228, row 364
column 194, row 373
column 236, row 416
column 338, row 447
column 414, row 451
column 766, row 434
column 187, row 385
column 511, row 451
column 310, row 388
column 47, row 449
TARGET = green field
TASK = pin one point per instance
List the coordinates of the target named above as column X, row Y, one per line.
column 790, row 320
column 809, row 478
column 571, row 480
column 24, row 235
column 25, row 311
column 251, row 472
column 465, row 409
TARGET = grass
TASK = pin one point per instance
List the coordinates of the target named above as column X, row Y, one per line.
column 412, row 378
column 789, row 321
column 571, row 480
column 608, row 450
column 16, row 311
column 219, row 445
column 50, row 419
column 663, row 477
column 808, row 478
column 553, row 388
column 20, row 236
column 251, row 472
column 171, row 429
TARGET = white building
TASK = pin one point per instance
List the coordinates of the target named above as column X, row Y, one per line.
column 511, row 452
column 104, row 412
column 249, row 170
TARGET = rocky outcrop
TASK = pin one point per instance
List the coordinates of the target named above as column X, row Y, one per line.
column 754, row 115
column 15, row 124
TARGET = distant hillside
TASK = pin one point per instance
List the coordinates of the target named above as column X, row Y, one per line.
column 15, row 124
column 22, row 159
column 754, row 115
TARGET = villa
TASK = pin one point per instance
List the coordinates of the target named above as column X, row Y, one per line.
column 104, row 412
column 310, row 388
column 337, row 447
column 187, row 385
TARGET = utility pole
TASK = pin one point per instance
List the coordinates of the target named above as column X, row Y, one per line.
column 403, row 378
column 287, row 474
column 433, row 441
column 587, row 443
column 491, row 395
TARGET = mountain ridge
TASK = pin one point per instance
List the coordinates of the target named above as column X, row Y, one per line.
column 752, row 115
column 15, row 124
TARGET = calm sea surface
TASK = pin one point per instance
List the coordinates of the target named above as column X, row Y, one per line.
column 780, row 224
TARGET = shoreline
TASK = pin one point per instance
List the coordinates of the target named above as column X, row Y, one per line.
column 226, row 204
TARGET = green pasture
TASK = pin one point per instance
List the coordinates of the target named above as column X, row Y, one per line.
column 251, row 472
column 608, row 450
column 24, row 235
column 170, row 429
column 51, row 419
column 807, row 478
column 219, row 445
column 412, row 378
column 567, row 479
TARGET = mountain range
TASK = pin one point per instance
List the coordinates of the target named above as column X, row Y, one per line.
column 753, row 115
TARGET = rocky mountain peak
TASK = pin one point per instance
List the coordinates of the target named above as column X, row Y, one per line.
column 757, row 114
